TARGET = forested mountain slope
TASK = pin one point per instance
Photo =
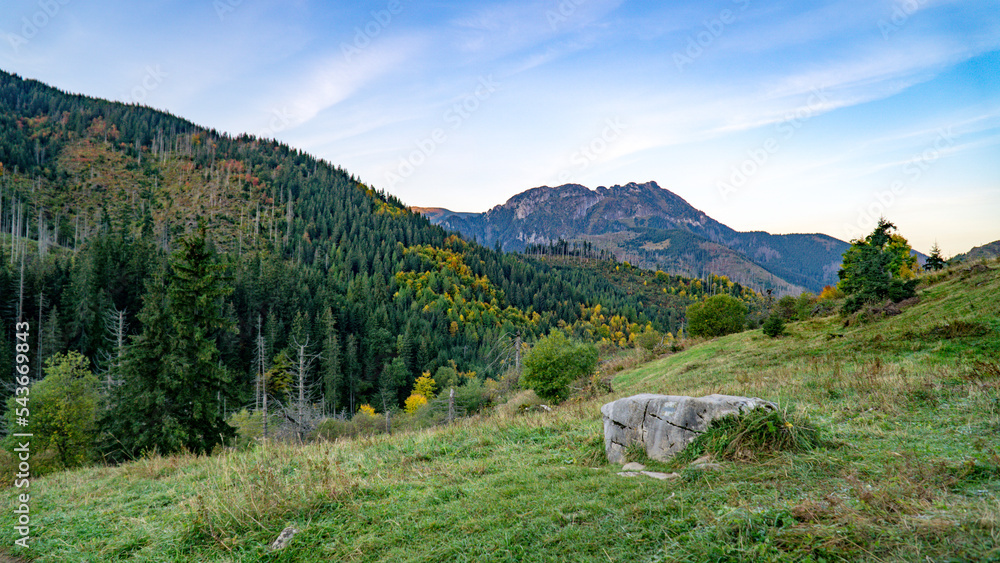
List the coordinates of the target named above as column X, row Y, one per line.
column 94, row 195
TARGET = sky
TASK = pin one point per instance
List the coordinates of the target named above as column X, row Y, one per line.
column 788, row 116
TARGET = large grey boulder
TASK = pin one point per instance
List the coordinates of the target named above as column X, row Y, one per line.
column 665, row 424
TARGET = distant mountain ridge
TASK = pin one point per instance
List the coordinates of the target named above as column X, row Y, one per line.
column 652, row 227
column 983, row 252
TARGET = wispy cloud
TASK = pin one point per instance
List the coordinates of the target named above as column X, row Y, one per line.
column 502, row 29
column 333, row 79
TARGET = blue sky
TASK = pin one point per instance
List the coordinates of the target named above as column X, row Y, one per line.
column 784, row 116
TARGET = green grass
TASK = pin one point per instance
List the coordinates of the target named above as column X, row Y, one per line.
column 908, row 468
column 753, row 436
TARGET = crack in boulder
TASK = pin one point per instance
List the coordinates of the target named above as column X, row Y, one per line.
column 683, row 427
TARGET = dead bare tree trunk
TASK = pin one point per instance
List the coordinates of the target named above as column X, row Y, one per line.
column 517, row 353
column 20, row 292
column 114, row 323
column 305, row 413
column 261, row 386
column 384, row 392
column 451, row 406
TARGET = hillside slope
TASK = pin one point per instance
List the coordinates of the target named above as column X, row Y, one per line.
column 983, row 252
column 909, row 405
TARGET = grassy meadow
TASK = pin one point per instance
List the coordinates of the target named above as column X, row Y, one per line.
column 908, row 407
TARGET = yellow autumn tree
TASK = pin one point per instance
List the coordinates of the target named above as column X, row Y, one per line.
column 414, row 402
column 423, row 391
column 424, row 385
column 831, row 292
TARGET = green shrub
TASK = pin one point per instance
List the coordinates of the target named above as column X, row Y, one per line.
column 651, row 341
column 804, row 306
column 472, row 396
column 554, row 362
column 249, row 426
column 774, row 326
column 63, row 407
column 360, row 424
column 786, row 308
column 718, row 315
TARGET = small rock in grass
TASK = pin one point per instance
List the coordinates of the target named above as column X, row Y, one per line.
column 633, row 466
column 704, row 462
column 283, row 538
column 661, row 476
column 653, row 474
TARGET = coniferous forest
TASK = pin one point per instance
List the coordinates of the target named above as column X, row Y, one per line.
column 126, row 231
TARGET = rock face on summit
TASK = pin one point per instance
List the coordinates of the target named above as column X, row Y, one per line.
column 665, row 424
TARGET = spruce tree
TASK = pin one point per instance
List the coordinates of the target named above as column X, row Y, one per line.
column 173, row 380
column 934, row 262
column 877, row 268
column 142, row 417
column 330, row 362
column 196, row 296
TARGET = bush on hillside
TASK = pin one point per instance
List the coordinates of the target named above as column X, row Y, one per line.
column 718, row 315
column 651, row 341
column 556, row 361
column 774, row 326
column 63, row 407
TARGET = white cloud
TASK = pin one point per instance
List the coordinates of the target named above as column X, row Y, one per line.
column 333, row 79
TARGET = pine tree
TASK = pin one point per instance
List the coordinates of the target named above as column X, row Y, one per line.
column 774, row 326
column 934, row 262
column 196, row 293
column 877, row 268
column 173, row 380
column 330, row 362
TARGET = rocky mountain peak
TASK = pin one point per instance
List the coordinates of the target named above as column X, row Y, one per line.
column 653, row 227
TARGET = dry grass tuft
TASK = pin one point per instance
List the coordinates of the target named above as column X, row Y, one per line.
column 253, row 490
